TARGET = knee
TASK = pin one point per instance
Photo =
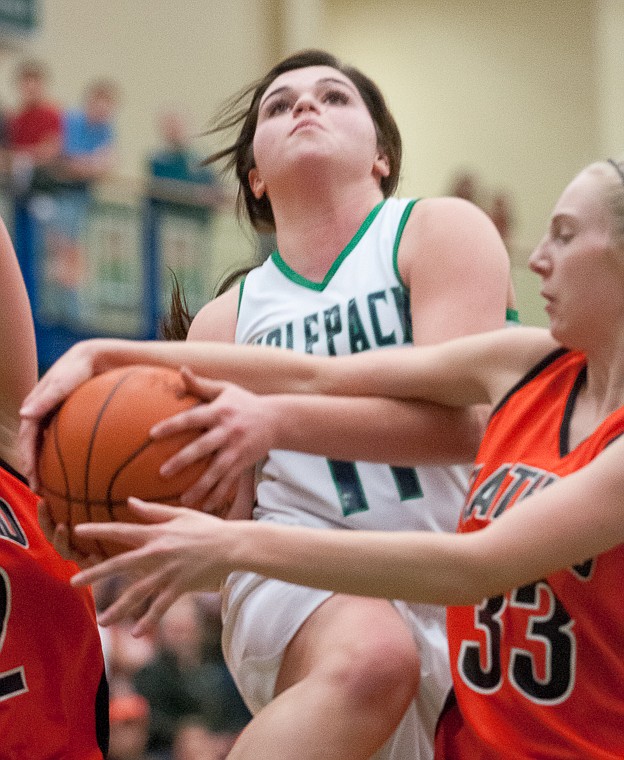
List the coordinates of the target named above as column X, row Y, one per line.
column 380, row 672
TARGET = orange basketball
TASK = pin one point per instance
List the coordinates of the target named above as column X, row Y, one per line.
column 96, row 450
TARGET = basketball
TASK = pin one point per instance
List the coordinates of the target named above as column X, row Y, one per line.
column 96, row 449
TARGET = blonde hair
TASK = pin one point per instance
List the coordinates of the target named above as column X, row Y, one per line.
column 615, row 198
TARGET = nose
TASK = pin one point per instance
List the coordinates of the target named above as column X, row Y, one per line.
column 539, row 260
column 305, row 102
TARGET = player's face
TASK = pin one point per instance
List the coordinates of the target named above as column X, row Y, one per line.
column 311, row 118
column 582, row 273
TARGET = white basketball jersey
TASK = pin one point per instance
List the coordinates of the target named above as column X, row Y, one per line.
column 361, row 305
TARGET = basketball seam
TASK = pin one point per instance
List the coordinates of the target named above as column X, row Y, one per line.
column 132, row 456
column 94, row 430
column 145, row 445
column 59, row 453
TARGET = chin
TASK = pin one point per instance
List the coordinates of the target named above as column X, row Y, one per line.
column 559, row 333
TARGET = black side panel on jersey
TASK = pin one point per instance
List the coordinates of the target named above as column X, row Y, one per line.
column 530, row 375
column 102, row 726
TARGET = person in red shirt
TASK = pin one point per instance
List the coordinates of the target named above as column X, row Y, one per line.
column 53, row 689
column 34, row 131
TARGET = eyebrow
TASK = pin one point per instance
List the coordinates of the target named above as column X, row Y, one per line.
column 324, row 80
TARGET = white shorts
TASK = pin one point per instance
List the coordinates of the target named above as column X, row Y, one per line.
column 260, row 618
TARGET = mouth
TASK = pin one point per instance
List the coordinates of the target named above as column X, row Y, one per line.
column 549, row 302
column 305, row 124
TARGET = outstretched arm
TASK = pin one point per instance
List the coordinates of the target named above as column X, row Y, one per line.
column 237, row 428
column 475, row 369
column 182, row 550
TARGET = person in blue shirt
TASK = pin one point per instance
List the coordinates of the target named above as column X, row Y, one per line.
column 87, row 156
column 89, row 136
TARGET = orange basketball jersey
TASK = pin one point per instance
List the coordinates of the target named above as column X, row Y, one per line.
column 53, row 691
column 538, row 672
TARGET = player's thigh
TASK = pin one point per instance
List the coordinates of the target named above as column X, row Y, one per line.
column 365, row 642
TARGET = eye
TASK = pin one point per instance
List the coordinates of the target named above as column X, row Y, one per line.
column 562, row 232
column 564, row 236
column 277, row 106
column 336, row 97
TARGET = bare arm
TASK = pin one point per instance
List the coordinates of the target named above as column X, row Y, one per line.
column 238, row 428
column 549, row 531
column 472, row 370
column 18, row 370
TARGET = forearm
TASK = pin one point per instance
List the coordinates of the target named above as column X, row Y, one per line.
column 373, row 429
column 435, row 568
column 262, row 370
column 463, row 372
column 402, row 373
column 547, row 532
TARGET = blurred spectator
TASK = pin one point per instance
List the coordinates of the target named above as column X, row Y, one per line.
column 124, row 654
column 87, row 153
column 193, row 741
column 34, row 131
column 466, row 186
column 188, row 677
column 179, row 183
column 87, row 156
column 129, row 728
column 502, row 215
column 184, row 197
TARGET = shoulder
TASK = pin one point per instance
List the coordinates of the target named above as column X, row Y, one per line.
column 451, row 232
column 450, row 220
column 217, row 319
column 451, row 237
column 73, row 122
column 456, row 267
column 530, row 344
column 72, row 116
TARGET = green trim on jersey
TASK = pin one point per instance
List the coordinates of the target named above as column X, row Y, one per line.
column 320, row 286
column 511, row 315
column 241, row 287
column 397, row 240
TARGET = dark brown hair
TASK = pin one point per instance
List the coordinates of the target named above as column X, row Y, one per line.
column 175, row 325
column 243, row 109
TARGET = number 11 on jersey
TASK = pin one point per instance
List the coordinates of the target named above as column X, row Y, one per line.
column 351, row 492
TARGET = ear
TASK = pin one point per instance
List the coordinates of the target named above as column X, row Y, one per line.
column 381, row 166
column 258, row 188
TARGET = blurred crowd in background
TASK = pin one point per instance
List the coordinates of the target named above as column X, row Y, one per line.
column 172, row 696
column 87, row 248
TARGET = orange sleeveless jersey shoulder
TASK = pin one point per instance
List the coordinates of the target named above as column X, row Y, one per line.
column 538, row 671
column 53, row 692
